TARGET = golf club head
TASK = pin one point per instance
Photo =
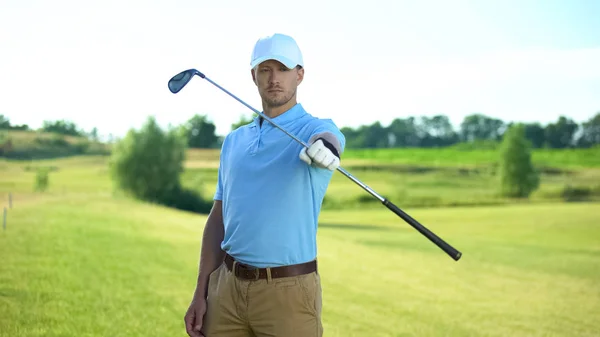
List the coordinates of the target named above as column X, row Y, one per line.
column 177, row 82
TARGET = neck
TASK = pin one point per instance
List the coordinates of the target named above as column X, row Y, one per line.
column 273, row 112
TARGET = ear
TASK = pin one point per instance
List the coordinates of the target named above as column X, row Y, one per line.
column 300, row 75
column 253, row 76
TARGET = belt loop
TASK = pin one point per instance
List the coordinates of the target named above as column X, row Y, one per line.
column 233, row 268
column 269, row 279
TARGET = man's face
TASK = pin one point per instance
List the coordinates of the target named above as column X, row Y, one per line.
column 276, row 83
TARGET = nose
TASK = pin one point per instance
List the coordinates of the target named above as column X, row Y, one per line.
column 273, row 77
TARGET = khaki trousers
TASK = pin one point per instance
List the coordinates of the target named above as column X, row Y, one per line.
column 282, row 307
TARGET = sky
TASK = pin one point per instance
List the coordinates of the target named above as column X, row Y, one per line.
column 106, row 63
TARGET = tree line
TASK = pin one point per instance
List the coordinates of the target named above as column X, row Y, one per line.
column 62, row 127
column 424, row 131
column 437, row 131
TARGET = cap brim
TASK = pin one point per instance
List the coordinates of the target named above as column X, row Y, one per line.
column 286, row 61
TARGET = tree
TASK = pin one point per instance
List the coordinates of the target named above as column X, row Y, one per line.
column 534, row 132
column 481, row 127
column 94, row 134
column 62, row 127
column 561, row 134
column 518, row 177
column 241, row 122
column 375, row 136
column 405, row 132
column 200, row 132
column 352, row 137
column 147, row 165
column 437, row 131
column 590, row 134
column 4, row 122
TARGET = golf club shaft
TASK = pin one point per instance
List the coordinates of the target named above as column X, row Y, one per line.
column 455, row 254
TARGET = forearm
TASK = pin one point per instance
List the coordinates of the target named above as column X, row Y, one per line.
column 211, row 255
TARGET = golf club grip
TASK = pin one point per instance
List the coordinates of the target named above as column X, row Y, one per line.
column 455, row 254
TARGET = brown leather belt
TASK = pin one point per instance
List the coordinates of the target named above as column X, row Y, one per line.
column 247, row 272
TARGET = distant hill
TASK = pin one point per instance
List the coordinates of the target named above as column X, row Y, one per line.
column 16, row 144
column 29, row 145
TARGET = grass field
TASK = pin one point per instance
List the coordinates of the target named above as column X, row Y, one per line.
column 406, row 185
column 435, row 177
column 95, row 266
column 80, row 260
column 459, row 156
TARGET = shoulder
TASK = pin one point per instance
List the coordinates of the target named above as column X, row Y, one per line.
column 329, row 125
column 236, row 134
column 317, row 124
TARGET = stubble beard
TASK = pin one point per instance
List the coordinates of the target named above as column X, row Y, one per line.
column 278, row 101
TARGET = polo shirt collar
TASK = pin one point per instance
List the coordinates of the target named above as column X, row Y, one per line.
column 292, row 114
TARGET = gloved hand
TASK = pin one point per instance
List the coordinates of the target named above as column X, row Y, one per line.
column 319, row 155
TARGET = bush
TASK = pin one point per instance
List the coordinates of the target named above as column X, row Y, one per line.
column 5, row 144
column 147, row 164
column 186, row 200
column 518, row 177
column 576, row 193
column 367, row 199
column 82, row 146
column 41, row 179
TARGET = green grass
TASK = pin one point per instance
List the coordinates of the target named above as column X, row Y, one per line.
column 405, row 185
column 456, row 156
column 526, row 271
column 448, row 187
column 81, row 260
column 94, row 265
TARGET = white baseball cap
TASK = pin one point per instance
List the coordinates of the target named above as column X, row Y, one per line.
column 279, row 47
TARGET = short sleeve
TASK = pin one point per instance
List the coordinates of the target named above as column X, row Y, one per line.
column 219, row 188
column 327, row 130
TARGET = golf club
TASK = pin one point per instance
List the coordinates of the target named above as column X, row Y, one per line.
column 177, row 82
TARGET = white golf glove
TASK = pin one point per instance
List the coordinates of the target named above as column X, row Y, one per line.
column 320, row 156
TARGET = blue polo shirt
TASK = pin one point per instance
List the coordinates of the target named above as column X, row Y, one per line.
column 272, row 199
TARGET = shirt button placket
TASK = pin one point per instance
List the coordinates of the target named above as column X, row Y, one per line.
column 255, row 141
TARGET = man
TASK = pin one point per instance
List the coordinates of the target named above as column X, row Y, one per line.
column 258, row 274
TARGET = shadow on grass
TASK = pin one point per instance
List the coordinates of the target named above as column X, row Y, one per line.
column 361, row 227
